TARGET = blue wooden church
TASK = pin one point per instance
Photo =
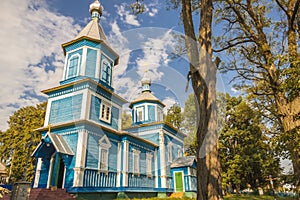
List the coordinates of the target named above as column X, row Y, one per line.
column 85, row 151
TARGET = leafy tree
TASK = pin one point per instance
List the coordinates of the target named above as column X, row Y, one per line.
column 189, row 126
column 20, row 139
column 174, row 116
column 246, row 153
column 126, row 120
column 261, row 39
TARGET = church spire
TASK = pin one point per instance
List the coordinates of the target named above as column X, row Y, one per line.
column 146, row 82
column 96, row 10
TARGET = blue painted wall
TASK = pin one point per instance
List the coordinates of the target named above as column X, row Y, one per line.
column 90, row 69
column 151, row 113
column 95, row 113
column 66, row 109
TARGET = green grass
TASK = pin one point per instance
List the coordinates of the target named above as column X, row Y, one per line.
column 228, row 197
column 252, row 197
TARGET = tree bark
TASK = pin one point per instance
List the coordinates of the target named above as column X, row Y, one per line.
column 203, row 75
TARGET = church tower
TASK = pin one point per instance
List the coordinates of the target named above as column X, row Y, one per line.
column 89, row 54
column 146, row 108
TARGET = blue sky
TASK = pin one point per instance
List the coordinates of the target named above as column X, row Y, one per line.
column 31, row 57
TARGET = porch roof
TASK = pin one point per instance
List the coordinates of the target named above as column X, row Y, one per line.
column 60, row 145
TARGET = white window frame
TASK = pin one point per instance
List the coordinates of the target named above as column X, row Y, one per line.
column 138, row 111
column 108, row 82
column 170, row 155
column 136, row 162
column 149, row 164
column 68, row 67
column 105, row 112
column 104, row 145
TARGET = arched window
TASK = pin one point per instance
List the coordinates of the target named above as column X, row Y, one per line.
column 73, row 66
column 106, row 72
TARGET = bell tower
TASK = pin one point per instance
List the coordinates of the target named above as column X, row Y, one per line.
column 89, row 54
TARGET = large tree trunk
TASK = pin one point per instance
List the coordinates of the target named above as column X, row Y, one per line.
column 203, row 75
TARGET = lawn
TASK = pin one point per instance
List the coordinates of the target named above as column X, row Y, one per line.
column 252, row 197
column 229, row 197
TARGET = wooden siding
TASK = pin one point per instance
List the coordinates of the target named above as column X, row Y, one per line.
column 66, row 109
column 90, row 69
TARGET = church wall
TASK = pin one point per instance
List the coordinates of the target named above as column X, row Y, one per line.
column 65, row 109
column 69, row 161
column 93, row 176
column 91, row 63
column 140, row 179
column 95, row 113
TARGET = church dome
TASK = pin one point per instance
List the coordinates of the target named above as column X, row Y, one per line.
column 96, row 6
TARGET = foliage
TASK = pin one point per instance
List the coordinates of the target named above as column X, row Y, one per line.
column 247, row 156
column 126, row 120
column 174, row 116
column 190, row 125
column 20, row 139
column 262, row 48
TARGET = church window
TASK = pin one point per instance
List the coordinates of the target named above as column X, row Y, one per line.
column 136, row 162
column 104, row 145
column 170, row 156
column 149, row 164
column 73, row 66
column 105, row 112
column 106, row 72
column 140, row 114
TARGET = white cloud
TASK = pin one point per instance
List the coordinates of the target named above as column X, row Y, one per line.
column 168, row 101
column 126, row 16
column 30, row 33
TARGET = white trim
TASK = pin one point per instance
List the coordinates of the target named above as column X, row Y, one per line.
column 119, row 156
column 183, row 185
column 173, row 136
column 163, row 163
column 78, row 66
column 38, row 173
column 50, row 170
column 149, row 157
column 146, row 115
column 136, row 166
column 88, row 105
column 84, row 105
column 170, row 152
column 83, row 63
column 156, row 168
column 65, row 67
column 64, row 177
column 105, row 109
column 101, row 70
column 138, row 110
column 98, row 66
column 125, row 163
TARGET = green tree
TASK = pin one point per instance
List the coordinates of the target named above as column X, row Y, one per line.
column 174, row 116
column 189, row 125
column 247, row 157
column 262, row 42
column 20, row 139
column 126, row 120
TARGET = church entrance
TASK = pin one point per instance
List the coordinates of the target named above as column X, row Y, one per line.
column 57, row 171
column 61, row 172
column 178, row 176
